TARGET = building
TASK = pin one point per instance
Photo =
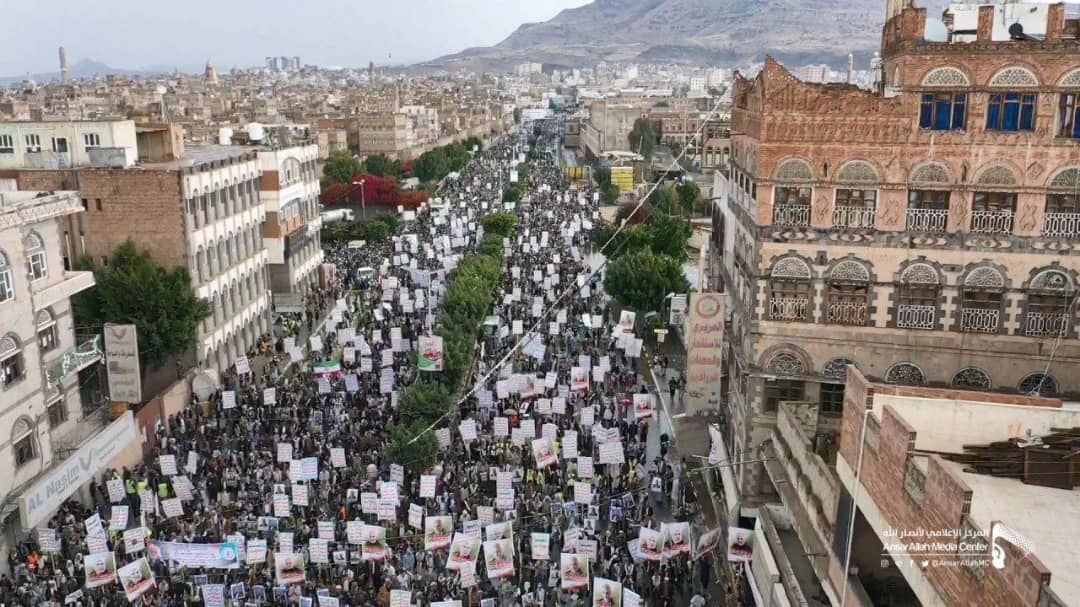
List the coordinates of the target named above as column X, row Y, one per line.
column 67, row 144
column 196, row 207
column 44, row 415
column 382, row 133
column 925, row 235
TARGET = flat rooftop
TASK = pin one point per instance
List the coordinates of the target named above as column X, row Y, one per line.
column 1049, row 518
column 195, row 155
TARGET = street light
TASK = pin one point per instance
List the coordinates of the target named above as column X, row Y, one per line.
column 363, row 203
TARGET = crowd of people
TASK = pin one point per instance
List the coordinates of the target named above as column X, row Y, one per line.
column 550, row 487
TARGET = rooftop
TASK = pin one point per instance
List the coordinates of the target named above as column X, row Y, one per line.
column 195, row 155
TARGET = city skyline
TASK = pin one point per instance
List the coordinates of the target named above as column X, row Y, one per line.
column 402, row 34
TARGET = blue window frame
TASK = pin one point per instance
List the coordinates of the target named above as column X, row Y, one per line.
column 943, row 111
column 1011, row 112
column 1068, row 123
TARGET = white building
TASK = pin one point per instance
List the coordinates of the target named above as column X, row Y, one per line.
column 697, row 84
column 67, row 144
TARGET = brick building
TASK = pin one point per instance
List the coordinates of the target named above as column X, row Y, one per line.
column 926, row 232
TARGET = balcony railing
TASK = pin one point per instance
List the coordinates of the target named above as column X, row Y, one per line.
column 797, row 215
column 788, row 308
column 911, row 316
column 1046, row 324
column 1064, row 225
column 992, row 222
column 847, row 313
column 853, row 217
column 75, row 359
column 927, row 220
column 980, row 320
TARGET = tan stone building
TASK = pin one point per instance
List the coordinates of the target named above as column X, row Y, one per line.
column 926, row 233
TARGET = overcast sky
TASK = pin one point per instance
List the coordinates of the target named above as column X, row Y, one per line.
column 139, row 33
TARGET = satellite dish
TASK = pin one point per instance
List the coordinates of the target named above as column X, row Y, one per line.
column 935, row 31
column 1016, row 31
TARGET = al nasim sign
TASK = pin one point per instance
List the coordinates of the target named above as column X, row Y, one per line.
column 43, row 498
column 705, row 349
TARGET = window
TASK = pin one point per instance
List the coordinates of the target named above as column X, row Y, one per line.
column 792, row 195
column 33, row 143
column 91, row 140
column 789, row 300
column 1062, row 203
column 943, row 111
column 11, row 361
column 97, row 203
column 23, row 443
column 1011, row 112
column 36, row 266
column 791, row 205
column 57, row 412
column 849, row 286
column 59, row 145
column 1068, row 123
column 855, row 208
column 928, row 210
column 780, row 390
column 47, row 337
column 994, row 201
column 1048, row 297
column 981, row 298
column 7, row 144
column 7, row 283
column 832, row 398
column 104, row 261
column 992, row 212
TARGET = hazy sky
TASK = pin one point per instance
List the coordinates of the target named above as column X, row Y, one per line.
column 138, row 33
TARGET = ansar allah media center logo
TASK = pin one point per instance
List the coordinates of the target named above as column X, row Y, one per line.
column 954, row 547
column 1000, row 532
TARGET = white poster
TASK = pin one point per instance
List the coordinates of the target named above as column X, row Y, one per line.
column 122, row 362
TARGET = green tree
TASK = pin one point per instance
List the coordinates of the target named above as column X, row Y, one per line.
column 341, row 167
column 501, row 224
column 413, row 446
column 426, row 401
column 380, row 165
column 370, row 230
column 602, row 176
column 393, row 224
column 688, row 193
column 663, row 200
column 136, row 289
column 643, row 138
column 668, row 235
column 514, row 193
column 641, row 280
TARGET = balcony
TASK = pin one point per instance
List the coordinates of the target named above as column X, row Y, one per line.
column 1045, row 324
column 847, row 313
column 72, row 283
column 793, row 215
column 853, row 217
column 927, row 220
column 980, row 320
column 788, row 308
column 911, row 316
column 1061, row 225
column 75, row 359
column 991, row 222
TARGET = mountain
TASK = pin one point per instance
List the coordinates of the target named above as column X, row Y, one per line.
column 86, row 68
column 702, row 32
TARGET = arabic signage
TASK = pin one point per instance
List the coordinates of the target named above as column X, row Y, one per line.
column 39, row 502
column 705, row 339
column 122, row 361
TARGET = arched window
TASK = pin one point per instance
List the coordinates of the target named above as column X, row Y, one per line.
column 905, row 374
column 993, row 205
column 792, row 193
column 917, row 297
column 7, row 280
column 1012, row 109
column 780, row 390
column 928, row 198
column 1048, row 298
column 22, row 441
column 219, row 309
column 203, row 216
column 1068, row 116
column 37, row 266
column 971, row 378
column 229, row 249
column 856, row 195
column 849, row 291
column 981, row 296
column 789, row 290
column 1062, row 217
column 1038, row 384
column 944, row 110
column 12, row 368
column 46, row 331
column 291, row 171
column 223, row 259
column 832, row 393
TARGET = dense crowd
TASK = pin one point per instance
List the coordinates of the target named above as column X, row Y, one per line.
column 553, row 452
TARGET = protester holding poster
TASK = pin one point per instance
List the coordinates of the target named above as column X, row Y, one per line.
column 544, row 453
column 462, row 551
column 574, row 571
column 137, row 578
column 606, row 593
column 100, row 569
column 437, row 531
column 499, row 558
column 289, row 568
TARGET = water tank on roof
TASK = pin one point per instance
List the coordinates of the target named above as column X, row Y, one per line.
column 256, row 132
column 225, row 135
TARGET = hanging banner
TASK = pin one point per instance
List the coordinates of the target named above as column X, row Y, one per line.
column 705, row 339
column 210, row 556
column 122, row 363
column 430, row 353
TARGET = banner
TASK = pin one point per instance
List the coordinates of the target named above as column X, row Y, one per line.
column 122, row 362
column 676, row 538
column 574, row 571
column 707, row 542
column 430, row 353
column 606, row 593
column 437, row 530
column 210, row 556
column 499, row 558
column 100, row 569
column 137, row 578
column 740, row 544
column 540, row 545
column 544, row 453
column 463, row 550
column 643, row 406
column 289, row 568
column 329, row 367
column 705, row 336
column 650, row 544
column 374, row 547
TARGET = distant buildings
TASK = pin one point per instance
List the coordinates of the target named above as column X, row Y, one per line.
column 283, row 64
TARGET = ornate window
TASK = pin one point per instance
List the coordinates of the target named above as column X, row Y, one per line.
column 1010, row 77
column 849, row 289
column 837, row 368
column 855, row 208
column 917, row 297
column 931, row 173
column 22, row 440
column 7, row 281
column 1011, row 112
column 789, row 290
column 12, row 368
column 943, row 111
column 928, row 210
column 992, row 212
column 786, row 363
column 857, row 171
column 1038, row 384
column 971, row 378
column 1048, row 298
column 905, row 374
column 46, row 331
column 981, row 296
column 1068, row 117
column 998, row 175
column 37, row 266
column 1062, row 216
column 945, row 76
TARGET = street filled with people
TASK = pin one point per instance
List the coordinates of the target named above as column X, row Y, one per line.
column 316, row 477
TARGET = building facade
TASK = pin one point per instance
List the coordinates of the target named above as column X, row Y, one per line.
column 290, row 197
column 926, row 233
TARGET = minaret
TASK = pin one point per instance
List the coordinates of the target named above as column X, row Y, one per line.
column 371, row 72
column 63, row 66
column 211, row 73
column 850, row 68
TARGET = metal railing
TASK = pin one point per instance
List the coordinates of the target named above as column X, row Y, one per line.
column 788, row 308
column 791, row 215
column 847, row 313
column 1061, row 224
column 992, row 222
column 927, row 220
column 980, row 320
column 853, row 217
column 1045, row 324
column 912, row 316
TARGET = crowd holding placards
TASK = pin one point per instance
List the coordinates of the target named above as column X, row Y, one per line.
column 280, row 489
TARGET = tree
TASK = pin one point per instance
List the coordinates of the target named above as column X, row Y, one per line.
column 424, row 401
column 413, row 446
column 643, row 138
column 501, row 224
column 514, row 193
column 641, row 280
column 688, row 193
column 635, row 213
column 668, row 235
column 341, row 167
column 136, row 289
column 662, row 200
column 380, row 165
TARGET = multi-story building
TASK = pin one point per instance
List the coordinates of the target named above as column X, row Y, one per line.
column 289, row 193
column 382, row 133
column 61, row 145
column 926, row 234
column 44, row 418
